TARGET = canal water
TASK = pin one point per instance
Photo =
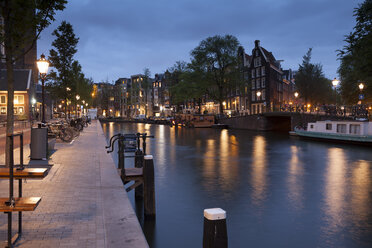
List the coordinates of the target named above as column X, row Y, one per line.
column 278, row 191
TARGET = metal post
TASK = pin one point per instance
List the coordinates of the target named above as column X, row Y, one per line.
column 138, row 163
column 21, row 150
column 43, row 96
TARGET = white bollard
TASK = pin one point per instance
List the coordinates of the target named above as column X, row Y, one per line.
column 215, row 231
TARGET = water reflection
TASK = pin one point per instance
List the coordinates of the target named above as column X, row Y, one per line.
column 295, row 178
column 335, row 187
column 361, row 191
column 259, row 170
column 279, row 192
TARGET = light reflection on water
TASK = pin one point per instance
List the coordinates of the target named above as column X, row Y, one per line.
column 277, row 191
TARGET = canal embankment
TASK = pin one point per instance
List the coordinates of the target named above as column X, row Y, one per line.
column 83, row 204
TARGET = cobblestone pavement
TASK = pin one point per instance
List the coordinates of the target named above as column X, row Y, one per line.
column 83, row 201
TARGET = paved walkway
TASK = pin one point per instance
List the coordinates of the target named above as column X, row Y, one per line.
column 83, row 200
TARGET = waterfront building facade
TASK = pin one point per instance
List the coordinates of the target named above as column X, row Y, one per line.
column 269, row 91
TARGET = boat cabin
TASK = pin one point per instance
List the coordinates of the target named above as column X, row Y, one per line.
column 341, row 127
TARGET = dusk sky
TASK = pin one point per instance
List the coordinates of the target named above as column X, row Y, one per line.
column 119, row 38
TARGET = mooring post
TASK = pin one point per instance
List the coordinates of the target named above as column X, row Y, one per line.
column 121, row 157
column 215, row 231
column 149, row 186
column 138, row 163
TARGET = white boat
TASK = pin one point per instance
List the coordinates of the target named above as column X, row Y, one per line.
column 359, row 132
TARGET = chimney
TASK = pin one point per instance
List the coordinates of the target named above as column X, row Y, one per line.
column 257, row 43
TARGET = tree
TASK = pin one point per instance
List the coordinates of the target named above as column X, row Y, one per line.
column 62, row 82
column 356, row 56
column 311, row 83
column 24, row 21
column 214, row 66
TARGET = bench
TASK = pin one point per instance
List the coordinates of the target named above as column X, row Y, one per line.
column 27, row 173
column 20, row 204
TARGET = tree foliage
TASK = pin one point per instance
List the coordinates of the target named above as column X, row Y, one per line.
column 356, row 55
column 311, row 83
column 67, row 72
column 24, row 20
column 212, row 73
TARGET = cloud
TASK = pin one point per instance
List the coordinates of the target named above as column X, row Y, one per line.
column 119, row 38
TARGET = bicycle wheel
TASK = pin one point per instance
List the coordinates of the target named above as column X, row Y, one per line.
column 66, row 135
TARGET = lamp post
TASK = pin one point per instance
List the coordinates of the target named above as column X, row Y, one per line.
column 42, row 65
column 258, row 93
column 361, row 87
column 296, row 97
column 77, row 99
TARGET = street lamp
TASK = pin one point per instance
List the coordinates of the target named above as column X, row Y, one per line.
column 258, row 94
column 77, row 98
column 42, row 65
column 361, row 86
column 335, row 82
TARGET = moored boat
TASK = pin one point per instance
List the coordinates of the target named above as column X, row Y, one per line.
column 359, row 132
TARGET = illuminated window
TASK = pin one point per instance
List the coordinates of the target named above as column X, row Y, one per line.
column 3, row 99
column 20, row 110
column 3, row 110
column 160, row 84
column 18, row 99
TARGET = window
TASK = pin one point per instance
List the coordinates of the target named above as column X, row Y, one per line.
column 253, row 73
column 311, row 126
column 263, row 95
column 3, row 99
column 263, row 82
column 256, row 52
column 259, row 61
column 263, row 70
column 20, row 111
column 354, row 129
column 257, row 72
column 246, row 90
column 3, row 111
column 253, row 96
column 18, row 99
column 253, row 84
column 258, row 83
column 341, row 128
column 328, row 126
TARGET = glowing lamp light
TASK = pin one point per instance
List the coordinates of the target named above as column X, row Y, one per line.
column 258, row 93
column 296, row 94
column 33, row 101
column 335, row 82
column 224, row 103
column 42, row 64
column 309, row 105
column 77, row 97
column 361, row 86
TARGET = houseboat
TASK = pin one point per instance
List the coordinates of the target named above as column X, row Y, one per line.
column 194, row 120
column 359, row 132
